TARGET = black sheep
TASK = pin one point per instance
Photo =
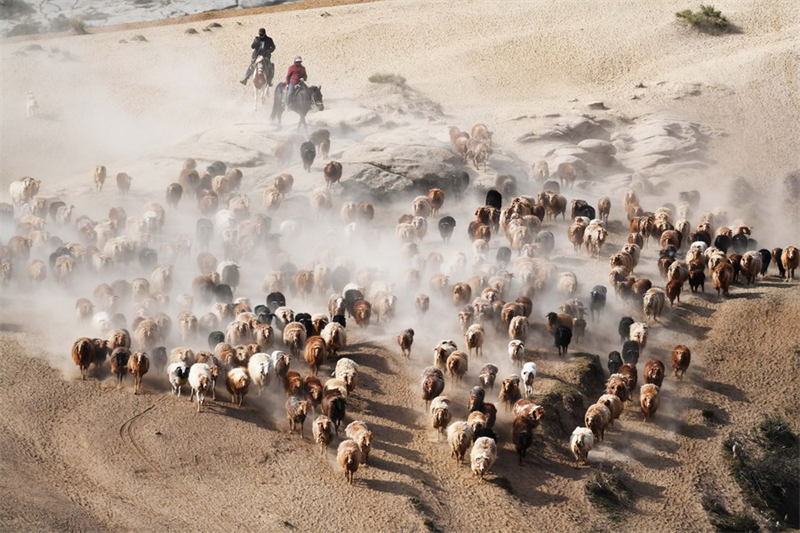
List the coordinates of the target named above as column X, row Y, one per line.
column 624, row 328
column 446, row 227
column 545, row 242
column 307, row 154
column 351, row 296
column 630, row 352
column 334, row 407
column 476, row 397
column 63, row 250
column 766, row 256
column 148, row 258
column 597, row 300
column 614, row 362
column 776, row 257
column 739, row 242
column 503, row 255
column 459, row 180
column 275, row 300
column 484, row 432
column 494, row 199
column 223, row 293
column 703, row 236
column 582, row 209
column 260, row 308
column 158, row 357
column 522, row 435
column 214, row 338
column 723, row 242
column 340, row 319
column 563, row 336
column 217, row 168
column 305, row 319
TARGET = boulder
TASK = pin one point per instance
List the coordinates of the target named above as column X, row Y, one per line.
column 574, row 128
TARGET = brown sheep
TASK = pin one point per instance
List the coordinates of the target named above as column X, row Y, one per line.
column 323, row 432
column 617, row 386
column 237, row 382
column 751, row 266
column 138, row 365
column 473, row 338
column 315, row 353
column 648, row 400
column 361, row 435
column 432, row 384
column 304, row 282
column 349, row 457
column 597, row 419
column 510, row 392
column 436, row 197
column 83, row 354
column 674, row 292
column 630, row 375
column 518, row 328
column 722, row 277
column 457, row 365
column 653, row 303
column 575, row 233
column 296, row 412
column 405, row 340
column 124, row 183
column 440, row 415
column 654, row 372
column 790, row 259
column 333, row 173
column 294, row 336
column 293, row 384
column 603, row 208
column 680, row 359
column 283, row 184
column 99, row 177
column 614, row 404
column 362, row 310
column 462, row 294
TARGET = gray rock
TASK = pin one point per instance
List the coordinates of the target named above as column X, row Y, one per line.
column 597, row 105
column 598, row 146
column 574, row 128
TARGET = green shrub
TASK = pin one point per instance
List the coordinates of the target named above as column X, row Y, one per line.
column 609, row 491
column 393, row 79
column 78, row 26
column 708, row 19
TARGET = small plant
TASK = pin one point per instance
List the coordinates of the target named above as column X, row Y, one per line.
column 609, row 491
column 723, row 520
column 393, row 79
column 708, row 19
column 765, row 465
column 78, row 27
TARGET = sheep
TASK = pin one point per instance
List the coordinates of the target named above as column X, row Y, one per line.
column 348, row 455
column 522, row 436
column 630, row 375
column 294, row 384
column 323, row 432
column 654, row 372
column 119, row 362
column 558, row 319
column 581, row 442
column 562, row 337
column 483, row 456
column 648, row 399
column 596, row 419
column 200, row 382
column 457, row 365
column 361, row 435
column 347, row 371
column 237, row 383
column 432, row 384
column 614, row 405
column 315, row 353
column 473, row 338
column 516, row 352
column 259, row 369
column 614, row 362
column 575, row 232
column 487, row 375
column 459, row 436
column 673, row 291
column 751, row 266
column 653, row 303
column 597, row 301
column 336, row 384
column 722, row 276
column 362, row 310
column 518, row 328
column 440, row 414
column 618, row 386
column 405, row 339
column 138, row 365
column 335, row 337
column 332, row 172
column 604, row 208
column 22, row 191
column 679, row 360
column 638, row 333
column 294, row 337
column 314, row 391
column 567, row 283
column 442, row 352
column 790, row 259
column 510, row 391
column 528, row 374
column 178, row 374
column 124, row 182
column 296, row 411
column 335, row 407
column 422, row 207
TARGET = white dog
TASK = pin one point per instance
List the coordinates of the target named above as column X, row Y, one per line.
column 32, row 106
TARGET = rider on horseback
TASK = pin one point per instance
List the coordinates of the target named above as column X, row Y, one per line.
column 295, row 74
column 263, row 46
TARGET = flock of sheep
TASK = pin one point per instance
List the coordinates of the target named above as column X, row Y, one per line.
column 149, row 319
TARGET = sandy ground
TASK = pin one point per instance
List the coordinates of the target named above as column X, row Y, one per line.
column 86, row 456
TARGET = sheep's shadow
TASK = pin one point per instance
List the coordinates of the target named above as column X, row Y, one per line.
column 731, row 391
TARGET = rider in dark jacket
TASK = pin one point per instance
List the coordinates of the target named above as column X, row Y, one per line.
column 263, row 45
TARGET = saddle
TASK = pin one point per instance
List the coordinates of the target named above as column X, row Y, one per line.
column 297, row 87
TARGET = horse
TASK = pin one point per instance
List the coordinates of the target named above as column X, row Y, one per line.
column 262, row 81
column 303, row 99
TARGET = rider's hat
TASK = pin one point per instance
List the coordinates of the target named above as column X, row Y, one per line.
column 262, row 32
column 298, row 59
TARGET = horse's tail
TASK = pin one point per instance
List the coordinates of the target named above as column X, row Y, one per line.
column 277, row 102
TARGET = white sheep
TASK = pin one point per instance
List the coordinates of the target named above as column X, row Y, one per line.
column 200, row 382
column 483, row 456
column 638, row 333
column 23, row 191
column 459, row 436
column 178, row 377
column 516, row 351
column 346, row 370
column 581, row 441
column 528, row 374
column 259, row 369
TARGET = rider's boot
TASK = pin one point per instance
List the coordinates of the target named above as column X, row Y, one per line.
column 247, row 75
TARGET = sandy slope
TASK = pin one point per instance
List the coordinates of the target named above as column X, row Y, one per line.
column 85, row 456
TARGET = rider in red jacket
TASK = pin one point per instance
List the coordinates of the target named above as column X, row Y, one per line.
column 295, row 73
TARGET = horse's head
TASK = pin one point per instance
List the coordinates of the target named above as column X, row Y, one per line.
column 316, row 97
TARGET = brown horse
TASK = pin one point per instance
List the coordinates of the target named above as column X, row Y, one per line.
column 261, row 81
